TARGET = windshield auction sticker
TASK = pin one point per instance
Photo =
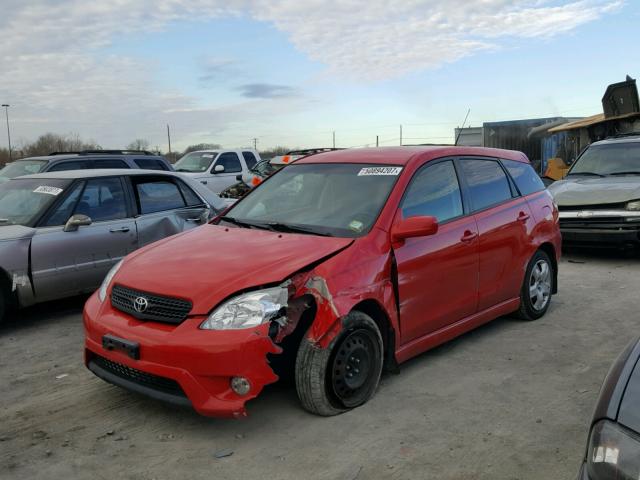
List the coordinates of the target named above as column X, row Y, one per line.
column 379, row 171
column 55, row 191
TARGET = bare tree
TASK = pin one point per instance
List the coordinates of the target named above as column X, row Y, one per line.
column 139, row 144
column 53, row 142
column 201, row 146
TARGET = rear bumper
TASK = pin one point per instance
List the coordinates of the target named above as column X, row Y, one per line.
column 179, row 364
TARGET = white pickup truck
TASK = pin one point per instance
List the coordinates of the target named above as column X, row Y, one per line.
column 217, row 169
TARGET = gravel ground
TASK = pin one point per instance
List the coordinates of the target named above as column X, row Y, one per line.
column 511, row 400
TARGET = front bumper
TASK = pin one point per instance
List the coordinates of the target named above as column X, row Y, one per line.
column 180, row 364
column 600, row 227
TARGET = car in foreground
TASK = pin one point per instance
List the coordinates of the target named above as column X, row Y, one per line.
column 86, row 159
column 613, row 450
column 599, row 199
column 218, row 169
column 61, row 232
column 359, row 259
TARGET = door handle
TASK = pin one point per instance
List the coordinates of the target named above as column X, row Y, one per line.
column 204, row 182
column 117, row 230
column 523, row 217
column 468, row 236
column 196, row 219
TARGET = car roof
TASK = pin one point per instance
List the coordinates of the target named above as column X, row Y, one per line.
column 67, row 156
column 404, row 155
column 98, row 172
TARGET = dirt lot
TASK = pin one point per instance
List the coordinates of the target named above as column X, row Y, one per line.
column 510, row 400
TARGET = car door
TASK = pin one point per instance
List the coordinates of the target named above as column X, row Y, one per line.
column 67, row 263
column 232, row 165
column 166, row 206
column 437, row 275
column 504, row 224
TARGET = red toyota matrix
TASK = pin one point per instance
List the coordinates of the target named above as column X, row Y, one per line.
column 337, row 266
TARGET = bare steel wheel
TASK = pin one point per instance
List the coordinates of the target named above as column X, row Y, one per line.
column 540, row 284
column 537, row 287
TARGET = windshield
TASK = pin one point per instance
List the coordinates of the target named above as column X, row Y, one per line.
column 327, row 199
column 21, row 167
column 264, row 168
column 195, row 162
column 612, row 159
column 23, row 201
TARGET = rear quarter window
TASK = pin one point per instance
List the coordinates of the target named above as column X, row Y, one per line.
column 527, row 180
column 150, row 164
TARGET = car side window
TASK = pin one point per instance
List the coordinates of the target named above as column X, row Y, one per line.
column 109, row 163
column 249, row 159
column 158, row 196
column 150, row 164
column 434, row 191
column 487, row 182
column 230, row 161
column 189, row 195
column 103, row 199
column 71, row 165
column 526, row 178
column 63, row 211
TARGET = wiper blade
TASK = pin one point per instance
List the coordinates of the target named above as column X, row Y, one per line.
column 245, row 223
column 630, row 172
column 292, row 228
column 593, row 174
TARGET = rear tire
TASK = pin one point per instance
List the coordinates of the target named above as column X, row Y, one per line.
column 332, row 380
column 537, row 287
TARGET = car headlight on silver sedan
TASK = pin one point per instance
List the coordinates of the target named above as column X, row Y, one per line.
column 633, row 205
column 248, row 309
column 102, row 293
column 614, row 452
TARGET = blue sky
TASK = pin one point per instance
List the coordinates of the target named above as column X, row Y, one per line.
column 291, row 73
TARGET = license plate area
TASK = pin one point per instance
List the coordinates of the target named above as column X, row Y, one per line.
column 111, row 343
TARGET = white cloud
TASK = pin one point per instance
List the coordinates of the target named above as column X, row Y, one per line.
column 52, row 73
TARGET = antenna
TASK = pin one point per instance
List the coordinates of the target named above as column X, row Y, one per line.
column 460, row 130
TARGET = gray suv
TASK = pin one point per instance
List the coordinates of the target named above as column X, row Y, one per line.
column 87, row 159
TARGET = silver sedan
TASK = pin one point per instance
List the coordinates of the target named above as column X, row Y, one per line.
column 60, row 232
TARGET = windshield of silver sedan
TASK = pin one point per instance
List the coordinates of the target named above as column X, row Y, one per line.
column 608, row 159
column 342, row 200
column 23, row 201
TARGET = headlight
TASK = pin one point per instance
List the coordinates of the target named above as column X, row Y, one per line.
column 634, row 205
column 102, row 294
column 248, row 310
column 614, row 452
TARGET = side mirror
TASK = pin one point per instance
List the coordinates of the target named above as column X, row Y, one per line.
column 77, row 220
column 238, row 177
column 218, row 169
column 414, row 227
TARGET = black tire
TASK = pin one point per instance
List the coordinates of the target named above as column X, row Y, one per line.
column 533, row 306
column 325, row 378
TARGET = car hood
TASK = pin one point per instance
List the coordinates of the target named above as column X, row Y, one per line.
column 595, row 191
column 209, row 264
column 15, row 232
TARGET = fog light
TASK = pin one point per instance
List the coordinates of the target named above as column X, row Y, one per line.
column 240, row 385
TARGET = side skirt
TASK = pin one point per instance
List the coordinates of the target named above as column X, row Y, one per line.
column 433, row 339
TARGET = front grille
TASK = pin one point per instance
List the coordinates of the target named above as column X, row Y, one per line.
column 155, row 382
column 599, row 223
column 598, row 206
column 158, row 308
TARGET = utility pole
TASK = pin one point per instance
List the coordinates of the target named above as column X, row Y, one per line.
column 400, row 135
column 377, row 141
column 6, row 111
column 169, row 138
column 334, row 139
column 255, row 144
column 460, row 129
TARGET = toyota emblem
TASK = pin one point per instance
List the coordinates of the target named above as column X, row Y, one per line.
column 140, row 304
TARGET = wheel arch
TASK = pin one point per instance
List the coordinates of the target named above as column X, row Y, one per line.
column 377, row 312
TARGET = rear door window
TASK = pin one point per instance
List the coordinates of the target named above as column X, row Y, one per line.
column 230, row 161
column 109, row 163
column 249, row 159
column 526, row 178
column 487, row 182
column 150, row 164
column 158, row 195
column 70, row 165
column 434, row 191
